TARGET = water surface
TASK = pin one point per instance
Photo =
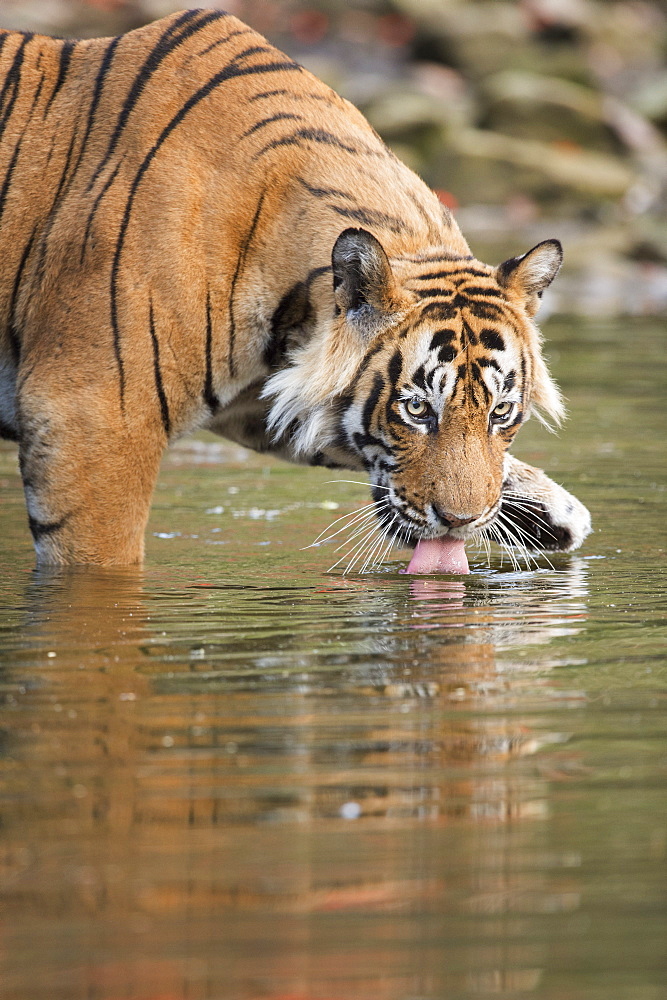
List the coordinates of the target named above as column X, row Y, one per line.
column 234, row 776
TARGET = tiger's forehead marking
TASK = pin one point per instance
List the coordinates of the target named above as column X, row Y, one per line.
column 447, row 271
column 462, row 346
column 457, row 291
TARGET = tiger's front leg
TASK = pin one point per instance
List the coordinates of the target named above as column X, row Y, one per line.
column 542, row 513
column 88, row 469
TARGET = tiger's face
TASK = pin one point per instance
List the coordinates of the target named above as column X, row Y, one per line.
column 445, row 384
column 424, row 375
column 431, row 420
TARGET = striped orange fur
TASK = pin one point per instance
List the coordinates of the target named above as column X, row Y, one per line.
column 197, row 233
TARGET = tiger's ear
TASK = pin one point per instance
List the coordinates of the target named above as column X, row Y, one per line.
column 364, row 285
column 531, row 273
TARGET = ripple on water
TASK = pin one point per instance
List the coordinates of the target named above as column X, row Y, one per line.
column 233, row 775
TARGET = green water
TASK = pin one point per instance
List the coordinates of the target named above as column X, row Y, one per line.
column 234, row 776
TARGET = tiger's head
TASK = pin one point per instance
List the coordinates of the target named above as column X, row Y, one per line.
column 421, row 369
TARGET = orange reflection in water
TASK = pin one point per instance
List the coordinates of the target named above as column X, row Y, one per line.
column 187, row 822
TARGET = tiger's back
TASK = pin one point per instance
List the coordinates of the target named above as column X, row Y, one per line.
column 169, row 203
column 211, row 138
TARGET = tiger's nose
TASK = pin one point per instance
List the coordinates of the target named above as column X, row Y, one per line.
column 451, row 520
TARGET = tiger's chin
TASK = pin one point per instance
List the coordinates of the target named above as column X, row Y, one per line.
column 534, row 515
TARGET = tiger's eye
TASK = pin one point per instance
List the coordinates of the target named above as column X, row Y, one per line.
column 502, row 410
column 417, row 407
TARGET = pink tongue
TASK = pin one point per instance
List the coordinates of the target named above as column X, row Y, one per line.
column 439, row 555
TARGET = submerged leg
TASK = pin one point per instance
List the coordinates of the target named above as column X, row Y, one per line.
column 88, row 471
column 546, row 516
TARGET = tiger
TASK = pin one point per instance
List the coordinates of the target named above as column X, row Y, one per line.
column 197, row 233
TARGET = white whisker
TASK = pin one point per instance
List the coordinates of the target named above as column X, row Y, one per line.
column 544, row 525
column 366, row 533
column 352, row 517
column 357, row 482
column 361, row 529
column 359, row 550
column 368, row 510
column 515, row 533
column 505, row 550
column 514, row 542
column 378, row 547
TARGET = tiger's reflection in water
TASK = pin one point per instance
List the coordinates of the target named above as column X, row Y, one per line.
column 207, row 800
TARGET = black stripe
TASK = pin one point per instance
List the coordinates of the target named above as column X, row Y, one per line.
column 316, row 272
column 367, row 414
column 228, row 73
column 227, row 38
column 97, row 92
column 52, row 146
column 288, row 141
column 394, row 368
column 459, row 273
column 480, row 290
column 11, row 325
column 37, row 95
column 64, row 173
column 363, row 367
column 489, row 363
column 165, row 45
column 522, row 377
column 292, row 312
column 418, row 378
column 210, row 397
column 159, row 386
column 240, row 261
column 14, row 72
column 319, row 192
column 8, row 176
column 252, row 51
column 485, row 389
column 107, row 184
column 484, row 310
column 281, row 116
column 492, row 340
column 51, row 214
column 468, row 335
column 425, row 258
column 435, row 276
column 429, row 293
column 266, row 93
column 105, row 66
column 438, row 311
column 517, row 420
column 65, row 58
column 12, row 82
column 370, row 217
column 7, row 432
column 442, row 337
column 318, row 135
column 41, row 528
column 474, row 272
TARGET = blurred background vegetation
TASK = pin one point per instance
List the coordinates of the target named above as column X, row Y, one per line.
column 530, row 118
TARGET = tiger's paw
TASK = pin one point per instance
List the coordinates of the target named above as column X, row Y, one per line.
column 537, row 513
